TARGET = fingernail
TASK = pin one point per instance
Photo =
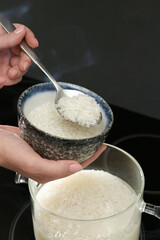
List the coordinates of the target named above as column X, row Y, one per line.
column 36, row 42
column 75, row 168
column 14, row 73
column 26, row 65
column 19, row 29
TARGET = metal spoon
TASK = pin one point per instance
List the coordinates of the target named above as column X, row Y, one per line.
column 9, row 27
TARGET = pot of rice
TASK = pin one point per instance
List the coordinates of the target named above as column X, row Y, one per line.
column 49, row 134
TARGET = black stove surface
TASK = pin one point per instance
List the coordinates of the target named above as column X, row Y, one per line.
column 135, row 133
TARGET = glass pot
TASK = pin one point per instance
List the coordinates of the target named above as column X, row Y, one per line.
column 125, row 225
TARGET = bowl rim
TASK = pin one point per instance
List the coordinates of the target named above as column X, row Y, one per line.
column 48, row 135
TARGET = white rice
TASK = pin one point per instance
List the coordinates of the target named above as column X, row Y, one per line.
column 41, row 112
column 81, row 109
column 89, row 194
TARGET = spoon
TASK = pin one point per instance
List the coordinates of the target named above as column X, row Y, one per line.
column 9, row 27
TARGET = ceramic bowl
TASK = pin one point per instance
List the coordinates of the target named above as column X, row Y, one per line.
column 57, row 148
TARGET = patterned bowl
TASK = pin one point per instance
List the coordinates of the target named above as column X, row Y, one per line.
column 58, row 148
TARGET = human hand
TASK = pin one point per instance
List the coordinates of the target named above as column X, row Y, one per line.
column 18, row 156
column 14, row 63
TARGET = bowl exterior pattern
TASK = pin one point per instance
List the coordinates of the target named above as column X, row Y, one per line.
column 58, row 149
column 55, row 148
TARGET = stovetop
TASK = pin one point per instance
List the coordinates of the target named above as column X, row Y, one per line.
column 135, row 133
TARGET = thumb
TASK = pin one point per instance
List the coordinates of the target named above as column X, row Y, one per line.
column 8, row 40
column 48, row 170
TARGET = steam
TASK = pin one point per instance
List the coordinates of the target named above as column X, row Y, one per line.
column 63, row 67
column 18, row 13
column 69, row 51
column 63, row 49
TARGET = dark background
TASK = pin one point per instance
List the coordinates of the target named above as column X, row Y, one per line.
column 110, row 47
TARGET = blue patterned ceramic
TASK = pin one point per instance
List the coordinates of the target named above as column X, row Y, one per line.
column 52, row 147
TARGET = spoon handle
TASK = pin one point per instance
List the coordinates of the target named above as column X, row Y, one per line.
column 9, row 27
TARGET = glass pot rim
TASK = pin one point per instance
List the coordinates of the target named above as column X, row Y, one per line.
column 138, row 199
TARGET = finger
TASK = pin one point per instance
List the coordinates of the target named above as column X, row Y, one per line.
column 14, row 76
column 16, row 50
column 48, row 170
column 12, row 39
column 94, row 157
column 14, row 61
column 8, row 40
column 19, row 66
column 12, row 82
column 11, row 129
column 24, row 62
column 14, row 73
column 29, row 37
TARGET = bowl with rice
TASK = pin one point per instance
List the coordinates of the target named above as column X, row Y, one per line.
column 52, row 136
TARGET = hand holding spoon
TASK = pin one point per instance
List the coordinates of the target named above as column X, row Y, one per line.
column 9, row 27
